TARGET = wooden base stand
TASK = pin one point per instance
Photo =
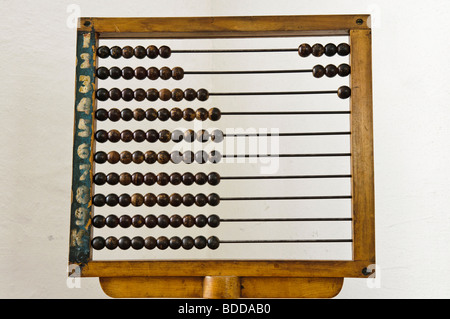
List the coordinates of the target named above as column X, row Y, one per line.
column 221, row 287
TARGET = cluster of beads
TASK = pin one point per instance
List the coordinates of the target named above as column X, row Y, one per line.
column 317, row 50
column 160, row 179
column 139, row 52
column 140, row 73
column 151, row 221
column 140, row 95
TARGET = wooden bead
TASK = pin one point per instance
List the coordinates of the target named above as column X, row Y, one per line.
column 187, row 242
column 177, row 73
column 177, row 136
column 188, row 179
column 101, row 136
column 176, row 114
column 163, row 200
column 163, row 114
column 215, row 157
column 188, row 114
column 162, row 242
column 140, row 73
column 213, row 221
column 127, row 73
column 112, row 221
column 150, row 200
column 125, row 221
column 318, row 71
column 137, row 242
column 163, row 221
column 137, row 179
column 151, row 221
column 330, row 49
column 175, row 178
column 176, row 157
column 125, row 157
column 176, row 221
column 162, row 179
column 138, row 221
column 190, row 94
column 150, row 157
column 344, row 70
column 140, row 95
column 165, row 94
column 214, row 114
column 102, row 73
column 150, row 242
column 201, row 221
column 113, row 157
column 115, row 73
column 126, row 136
column 151, row 114
column 115, row 94
column 213, row 199
column 175, row 242
column 139, row 114
column 126, row 114
column 114, row 136
column 317, row 50
column 202, row 95
column 114, row 114
column 213, row 178
column 217, row 136
column 152, row 135
column 203, row 136
column 190, row 136
column 137, row 200
column 344, row 92
column 139, row 136
column 140, row 52
column 127, row 94
column 99, row 200
column 164, row 52
column 125, row 179
column 111, row 242
column 124, row 200
column 177, row 95
column 201, row 200
column 99, row 179
column 149, row 179
column 152, row 52
column 98, row 243
column 102, row 94
column 188, row 221
column 304, row 50
column 343, row 49
column 101, row 114
column 103, row 52
column 200, row 242
column 99, row 221
column 188, row 200
column 137, row 157
column 201, row 114
column 163, row 157
column 112, row 179
column 152, row 95
column 127, row 52
column 201, row 157
column 175, row 199
column 100, row 157
column 165, row 73
column 124, row 242
column 331, row 71
column 153, row 73
column 201, row 178
column 213, row 242
column 115, row 52
column 164, row 136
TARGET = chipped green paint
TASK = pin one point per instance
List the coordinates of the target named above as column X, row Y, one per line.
column 81, row 208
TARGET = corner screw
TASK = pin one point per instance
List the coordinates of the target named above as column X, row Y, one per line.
column 359, row 21
column 366, row 272
column 87, row 23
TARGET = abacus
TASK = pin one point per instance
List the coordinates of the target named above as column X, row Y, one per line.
column 223, row 157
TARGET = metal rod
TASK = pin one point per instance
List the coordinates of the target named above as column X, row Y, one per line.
column 285, row 177
column 249, row 72
column 288, row 113
column 284, row 198
column 276, row 241
column 270, row 93
column 286, row 155
column 234, row 50
column 284, row 134
column 286, row 220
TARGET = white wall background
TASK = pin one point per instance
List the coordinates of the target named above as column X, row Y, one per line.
column 411, row 117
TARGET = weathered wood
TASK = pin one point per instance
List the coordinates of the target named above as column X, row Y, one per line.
column 221, row 287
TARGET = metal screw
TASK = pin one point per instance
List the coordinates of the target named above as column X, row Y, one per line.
column 359, row 21
column 366, row 272
column 87, row 23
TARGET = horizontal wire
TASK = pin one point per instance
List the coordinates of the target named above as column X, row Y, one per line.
column 276, row 241
column 249, row 72
column 235, row 50
column 284, row 198
column 285, row 220
column 285, row 155
column 287, row 113
column 285, row 177
column 272, row 93
column 284, row 134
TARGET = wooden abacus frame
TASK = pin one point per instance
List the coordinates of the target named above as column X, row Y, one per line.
column 237, row 278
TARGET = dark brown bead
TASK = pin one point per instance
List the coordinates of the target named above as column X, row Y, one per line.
column 127, row 73
column 101, row 136
column 165, row 73
column 190, row 94
column 149, row 179
column 138, row 221
column 318, row 71
column 140, row 95
column 330, row 49
column 201, row 114
column 176, row 199
column 163, row 157
column 177, row 73
column 140, row 52
column 188, row 157
column 213, row 242
column 213, row 178
column 125, row 221
column 153, row 73
column 162, row 242
column 115, row 73
column 126, row 136
column 137, row 179
column 201, row 200
column 102, row 94
column 140, row 73
column 213, row 199
column 152, row 52
column 150, row 157
column 163, row 199
column 115, row 94
column 187, row 242
column 113, row 157
column 331, row 70
column 114, row 114
column 163, row 114
column 190, row 136
column 201, row 221
column 127, row 52
column 152, row 135
column 188, row 200
column 175, row 178
column 150, row 199
column 162, row 179
column 114, row 136
column 176, row 157
column 202, row 95
column 317, row 50
column 151, row 114
column 98, row 243
column 164, row 52
column 201, row 157
column 188, row 179
column 111, row 242
column 126, row 114
column 150, row 242
column 304, row 50
column 201, row 178
column 139, row 136
column 103, row 52
column 127, row 94
column 101, row 114
column 139, row 114
column 125, row 157
column 200, row 242
column 112, row 200
column 137, row 157
column 344, row 70
column 163, row 221
column 99, row 200
column 124, row 200
column 112, row 221
column 215, row 157
column 165, row 94
column 100, row 157
column 213, row 221
column 125, row 179
column 188, row 221
column 102, row 73
column 177, row 95
column 112, row 179
column 176, row 114
column 344, row 92
column 152, row 95
column 137, row 200
column 99, row 179
column 115, row 52
column 137, row 242
column 164, row 136
column 203, row 136
column 217, row 136
column 176, row 221
column 151, row 221
column 124, row 242
column 175, row 242
column 188, row 114
column 214, row 114
column 343, row 49
column 177, row 136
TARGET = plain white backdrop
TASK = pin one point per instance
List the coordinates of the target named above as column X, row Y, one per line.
column 411, row 133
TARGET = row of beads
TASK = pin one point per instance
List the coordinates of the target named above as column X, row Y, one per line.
column 317, row 50
column 162, row 157
column 162, row 114
column 162, row 242
column 331, row 70
column 151, row 221
column 139, row 52
column 140, row 73
column 160, row 179
column 163, row 136
column 128, row 94
column 150, row 200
